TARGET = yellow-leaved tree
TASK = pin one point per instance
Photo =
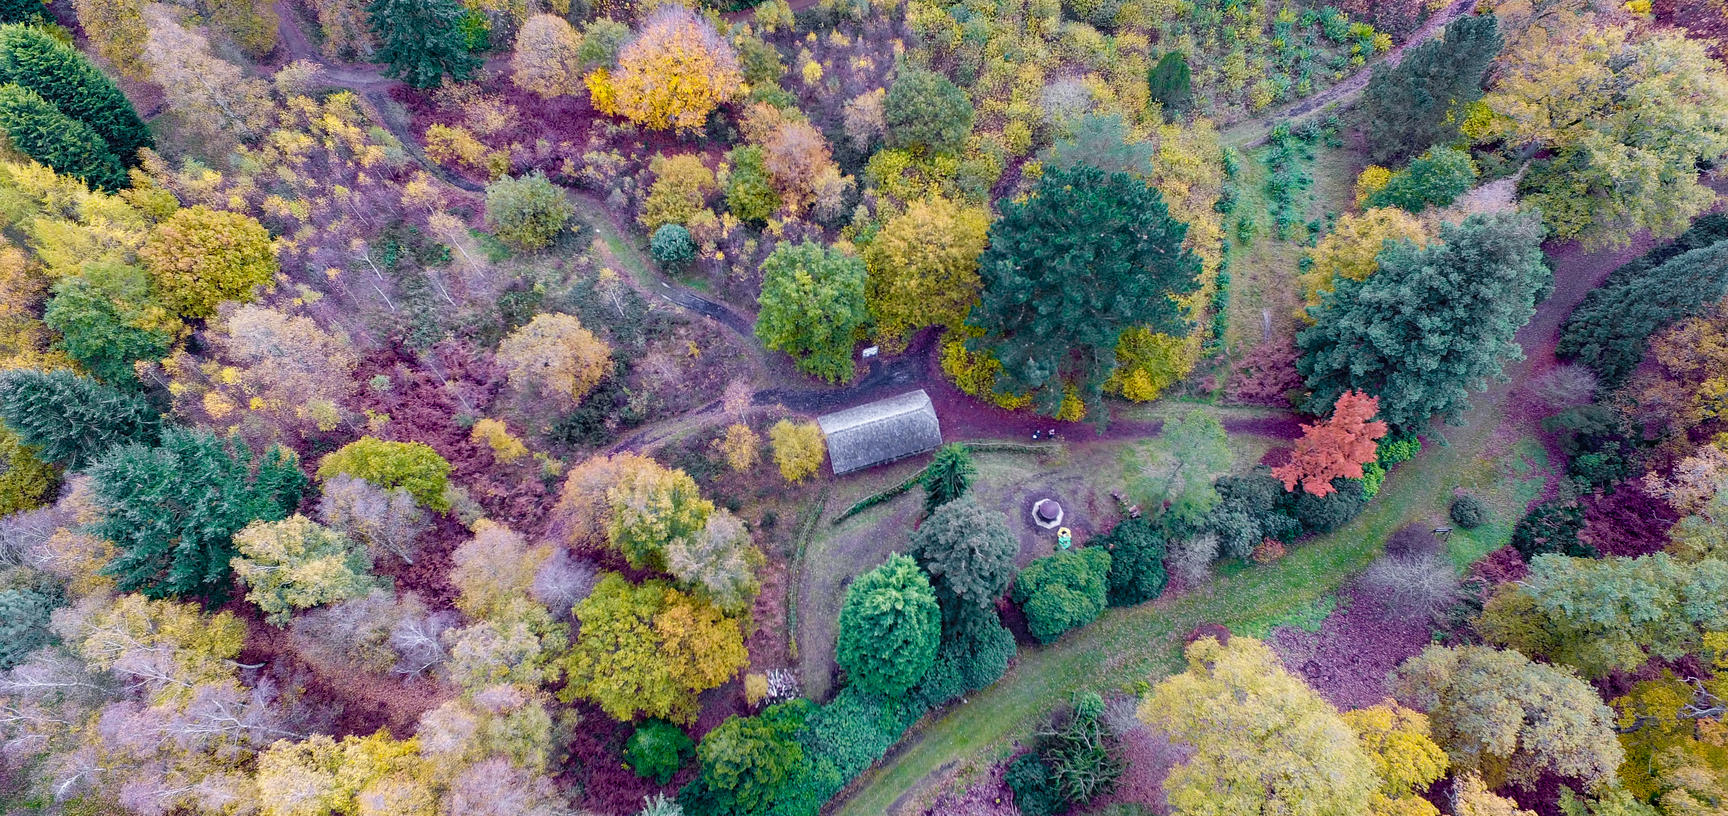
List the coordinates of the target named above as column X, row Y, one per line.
column 556, row 356
column 676, row 72
column 923, row 267
column 1629, row 115
column 199, row 257
column 545, row 60
column 1243, row 713
column 1351, row 250
column 798, row 448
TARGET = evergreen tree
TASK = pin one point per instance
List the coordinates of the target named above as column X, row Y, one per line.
column 422, row 40
column 98, row 331
column 1172, row 83
column 39, row 130
column 1420, row 101
column 73, row 420
column 1611, row 329
column 889, row 628
column 969, row 552
column 1431, row 324
column 24, row 628
column 1136, row 562
column 172, row 510
column 23, row 11
column 30, row 58
column 1086, row 258
column 948, row 477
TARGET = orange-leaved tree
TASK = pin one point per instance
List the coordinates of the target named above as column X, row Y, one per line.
column 1337, row 447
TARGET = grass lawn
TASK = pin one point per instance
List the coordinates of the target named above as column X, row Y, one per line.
column 1142, row 644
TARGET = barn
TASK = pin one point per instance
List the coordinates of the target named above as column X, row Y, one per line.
column 880, row 432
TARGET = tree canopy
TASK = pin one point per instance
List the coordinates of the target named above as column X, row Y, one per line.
column 1431, row 324
column 1263, row 741
column 1087, row 257
column 1511, row 720
column 890, row 625
column 813, row 307
column 172, row 510
column 1420, row 101
column 421, row 41
column 1629, row 113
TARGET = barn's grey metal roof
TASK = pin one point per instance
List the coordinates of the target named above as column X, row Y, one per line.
column 881, row 431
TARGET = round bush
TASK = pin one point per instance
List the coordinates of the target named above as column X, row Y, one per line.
column 1468, row 512
column 672, row 246
column 657, row 750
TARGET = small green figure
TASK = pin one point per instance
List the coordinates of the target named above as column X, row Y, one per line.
column 1064, row 539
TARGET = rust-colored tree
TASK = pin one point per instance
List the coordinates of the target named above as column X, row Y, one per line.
column 1337, row 447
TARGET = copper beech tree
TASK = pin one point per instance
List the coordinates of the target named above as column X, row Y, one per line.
column 1335, row 448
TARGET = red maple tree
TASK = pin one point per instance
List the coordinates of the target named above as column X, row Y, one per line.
column 1337, row 447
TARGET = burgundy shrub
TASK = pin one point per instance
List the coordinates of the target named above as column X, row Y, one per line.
column 1413, row 539
column 990, row 796
column 1499, row 567
column 1216, row 631
column 1627, row 522
column 1347, row 661
column 1266, row 375
column 596, row 766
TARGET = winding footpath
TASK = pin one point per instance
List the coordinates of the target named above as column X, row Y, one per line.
column 1251, row 133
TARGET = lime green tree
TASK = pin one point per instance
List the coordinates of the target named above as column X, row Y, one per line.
column 813, row 307
column 412, row 466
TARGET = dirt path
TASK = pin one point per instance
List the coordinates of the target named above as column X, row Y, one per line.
column 1250, row 133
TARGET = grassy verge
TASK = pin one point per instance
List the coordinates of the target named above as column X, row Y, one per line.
column 1143, row 643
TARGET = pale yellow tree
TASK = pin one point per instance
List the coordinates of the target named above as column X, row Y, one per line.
column 556, row 356
column 676, row 72
column 545, row 60
column 213, row 97
column 740, row 446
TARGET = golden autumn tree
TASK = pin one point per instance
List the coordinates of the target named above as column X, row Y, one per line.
column 676, row 72
column 1244, row 713
column 555, row 355
column 1351, row 249
column 740, row 447
column 682, row 184
column 199, row 257
column 798, row 448
column 117, row 33
column 923, row 266
column 1405, row 756
column 648, row 649
column 546, row 60
column 1629, row 115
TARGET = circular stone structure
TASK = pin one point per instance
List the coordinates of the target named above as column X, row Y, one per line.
column 1047, row 513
